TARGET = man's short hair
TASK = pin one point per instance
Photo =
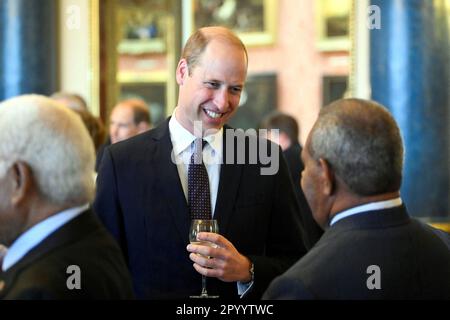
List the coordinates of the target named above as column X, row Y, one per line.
column 140, row 110
column 53, row 141
column 285, row 123
column 362, row 143
column 197, row 43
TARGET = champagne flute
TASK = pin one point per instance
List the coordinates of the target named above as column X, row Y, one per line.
column 203, row 226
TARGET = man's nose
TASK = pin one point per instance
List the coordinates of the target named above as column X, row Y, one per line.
column 221, row 99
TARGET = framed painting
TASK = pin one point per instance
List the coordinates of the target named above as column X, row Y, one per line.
column 333, row 24
column 143, row 26
column 253, row 20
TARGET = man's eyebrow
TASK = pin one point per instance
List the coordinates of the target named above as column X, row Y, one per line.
column 212, row 80
column 241, row 85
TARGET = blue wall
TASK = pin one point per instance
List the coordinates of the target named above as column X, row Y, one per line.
column 28, row 50
column 410, row 66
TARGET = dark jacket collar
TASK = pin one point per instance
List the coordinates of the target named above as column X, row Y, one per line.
column 72, row 231
column 374, row 219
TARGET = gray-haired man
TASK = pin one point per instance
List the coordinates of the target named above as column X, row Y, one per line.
column 371, row 248
column 57, row 249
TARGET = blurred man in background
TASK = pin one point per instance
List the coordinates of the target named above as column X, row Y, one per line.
column 129, row 118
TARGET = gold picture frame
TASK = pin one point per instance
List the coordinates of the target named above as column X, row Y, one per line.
column 333, row 25
column 143, row 26
column 253, row 20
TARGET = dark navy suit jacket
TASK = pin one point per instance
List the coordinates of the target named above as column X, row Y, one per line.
column 141, row 201
column 414, row 263
column 83, row 242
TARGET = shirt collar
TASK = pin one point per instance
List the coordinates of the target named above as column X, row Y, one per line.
column 36, row 234
column 372, row 206
column 182, row 138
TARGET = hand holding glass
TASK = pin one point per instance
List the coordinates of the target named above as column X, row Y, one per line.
column 203, row 226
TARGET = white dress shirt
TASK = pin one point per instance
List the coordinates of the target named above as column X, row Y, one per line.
column 372, row 206
column 36, row 234
column 212, row 157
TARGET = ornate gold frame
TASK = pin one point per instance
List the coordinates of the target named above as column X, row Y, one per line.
column 263, row 38
column 324, row 42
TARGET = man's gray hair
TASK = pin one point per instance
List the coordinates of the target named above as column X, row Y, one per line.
column 52, row 140
column 361, row 141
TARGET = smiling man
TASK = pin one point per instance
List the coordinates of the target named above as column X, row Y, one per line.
column 211, row 82
column 144, row 190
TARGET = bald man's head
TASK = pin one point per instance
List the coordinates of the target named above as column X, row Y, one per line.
column 129, row 118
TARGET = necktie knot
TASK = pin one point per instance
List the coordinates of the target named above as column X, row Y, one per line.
column 197, row 155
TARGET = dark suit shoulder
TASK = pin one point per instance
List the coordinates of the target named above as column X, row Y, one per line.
column 138, row 150
column 412, row 261
column 287, row 288
column 135, row 143
column 45, row 272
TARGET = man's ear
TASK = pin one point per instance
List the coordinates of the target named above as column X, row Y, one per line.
column 22, row 181
column 182, row 71
column 327, row 177
column 143, row 126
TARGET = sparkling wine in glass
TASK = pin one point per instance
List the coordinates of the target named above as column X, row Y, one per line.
column 203, row 226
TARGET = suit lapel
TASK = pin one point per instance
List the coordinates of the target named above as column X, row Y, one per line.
column 169, row 181
column 230, row 175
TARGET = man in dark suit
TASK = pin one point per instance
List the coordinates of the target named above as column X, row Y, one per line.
column 57, row 248
column 371, row 248
column 287, row 138
column 143, row 188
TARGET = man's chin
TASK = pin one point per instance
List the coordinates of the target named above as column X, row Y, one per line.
column 212, row 128
column 216, row 123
